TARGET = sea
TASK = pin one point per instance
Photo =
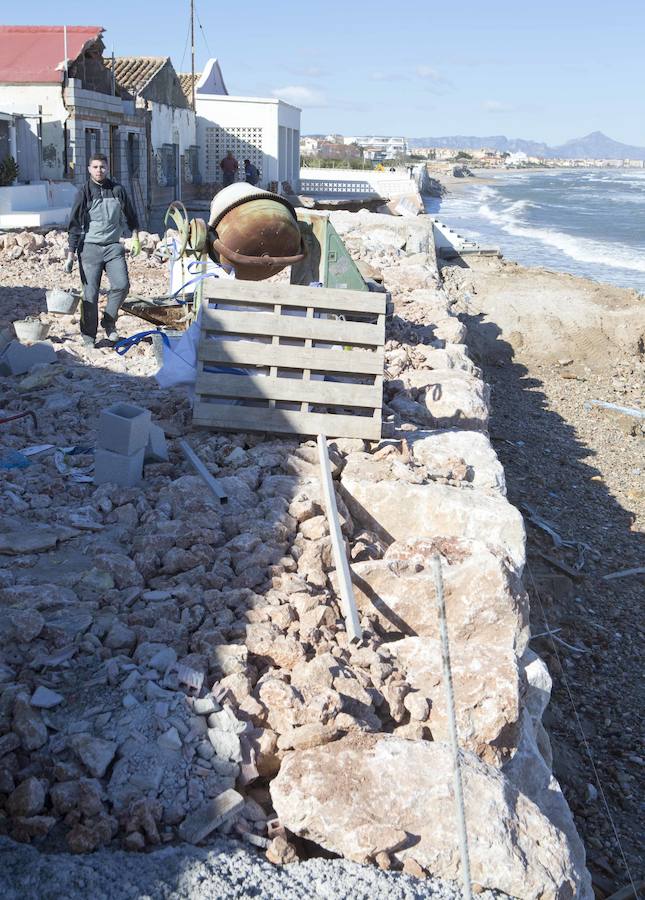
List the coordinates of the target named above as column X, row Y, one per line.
column 588, row 222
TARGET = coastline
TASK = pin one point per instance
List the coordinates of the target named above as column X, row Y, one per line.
column 528, row 223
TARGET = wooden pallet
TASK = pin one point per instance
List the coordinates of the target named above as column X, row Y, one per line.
column 299, row 369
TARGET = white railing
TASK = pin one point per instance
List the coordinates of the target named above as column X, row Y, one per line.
column 355, row 182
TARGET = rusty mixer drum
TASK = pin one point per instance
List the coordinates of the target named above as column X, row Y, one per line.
column 255, row 231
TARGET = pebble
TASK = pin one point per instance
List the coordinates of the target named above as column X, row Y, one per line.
column 170, row 740
column 44, row 698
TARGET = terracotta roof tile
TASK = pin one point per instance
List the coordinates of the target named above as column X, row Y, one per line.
column 134, row 72
column 185, row 80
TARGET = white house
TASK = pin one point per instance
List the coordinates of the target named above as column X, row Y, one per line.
column 64, row 106
column 264, row 130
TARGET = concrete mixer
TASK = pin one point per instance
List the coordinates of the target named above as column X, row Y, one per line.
column 253, row 230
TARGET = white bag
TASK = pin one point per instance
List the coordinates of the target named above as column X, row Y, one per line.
column 180, row 358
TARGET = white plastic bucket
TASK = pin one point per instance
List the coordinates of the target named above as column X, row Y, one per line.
column 62, row 302
column 29, row 331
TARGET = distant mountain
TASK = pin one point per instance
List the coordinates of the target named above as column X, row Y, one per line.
column 594, row 146
column 597, row 146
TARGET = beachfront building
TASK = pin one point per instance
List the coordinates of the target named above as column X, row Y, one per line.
column 379, row 149
column 264, row 130
column 170, row 141
column 64, row 106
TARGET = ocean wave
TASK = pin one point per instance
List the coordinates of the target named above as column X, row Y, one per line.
column 617, row 256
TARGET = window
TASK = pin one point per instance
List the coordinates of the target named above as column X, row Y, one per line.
column 92, row 143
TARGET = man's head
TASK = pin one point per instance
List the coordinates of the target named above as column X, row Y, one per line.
column 247, row 162
column 230, row 154
column 98, row 167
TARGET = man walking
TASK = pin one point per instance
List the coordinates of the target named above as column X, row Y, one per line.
column 97, row 221
column 229, row 167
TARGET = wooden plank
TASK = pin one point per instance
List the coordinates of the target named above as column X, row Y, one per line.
column 252, row 353
column 298, row 390
column 203, row 472
column 234, row 322
column 352, row 625
column 224, row 290
column 241, row 418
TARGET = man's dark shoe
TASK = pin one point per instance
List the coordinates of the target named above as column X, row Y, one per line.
column 110, row 329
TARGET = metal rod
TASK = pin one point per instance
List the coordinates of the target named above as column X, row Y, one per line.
column 452, row 727
column 338, row 545
column 192, row 51
column 203, row 472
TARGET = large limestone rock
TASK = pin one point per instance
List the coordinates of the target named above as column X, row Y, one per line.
column 453, row 399
column 403, row 512
column 437, row 450
column 486, row 690
column 485, row 600
column 452, row 356
column 367, row 793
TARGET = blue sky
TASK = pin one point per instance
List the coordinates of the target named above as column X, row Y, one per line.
column 544, row 71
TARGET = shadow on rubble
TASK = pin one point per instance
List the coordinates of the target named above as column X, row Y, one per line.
column 29, row 300
column 549, row 473
column 205, row 567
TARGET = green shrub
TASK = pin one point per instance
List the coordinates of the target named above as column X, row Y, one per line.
column 8, row 171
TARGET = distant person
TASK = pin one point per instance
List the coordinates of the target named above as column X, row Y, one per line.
column 100, row 212
column 251, row 172
column 229, row 167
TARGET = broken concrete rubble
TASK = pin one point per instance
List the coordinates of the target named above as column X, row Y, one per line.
column 112, row 593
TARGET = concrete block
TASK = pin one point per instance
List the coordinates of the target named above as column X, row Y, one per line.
column 19, row 358
column 118, row 468
column 199, row 824
column 124, row 428
column 156, row 448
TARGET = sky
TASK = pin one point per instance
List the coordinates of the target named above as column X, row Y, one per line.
column 548, row 71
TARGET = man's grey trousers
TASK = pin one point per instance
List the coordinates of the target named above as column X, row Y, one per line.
column 93, row 260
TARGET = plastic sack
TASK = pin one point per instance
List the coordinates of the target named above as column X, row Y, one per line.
column 180, row 358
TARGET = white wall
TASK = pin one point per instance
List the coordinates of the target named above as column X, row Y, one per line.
column 33, row 102
column 251, row 127
column 166, row 120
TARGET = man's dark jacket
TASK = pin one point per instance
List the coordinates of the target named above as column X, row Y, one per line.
column 99, row 214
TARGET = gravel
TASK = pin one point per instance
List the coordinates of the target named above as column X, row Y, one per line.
column 224, row 869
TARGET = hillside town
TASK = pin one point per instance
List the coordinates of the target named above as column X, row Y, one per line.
column 395, row 149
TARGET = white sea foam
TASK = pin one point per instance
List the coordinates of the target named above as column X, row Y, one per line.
column 618, row 256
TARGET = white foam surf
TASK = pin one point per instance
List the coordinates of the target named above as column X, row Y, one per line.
column 617, row 256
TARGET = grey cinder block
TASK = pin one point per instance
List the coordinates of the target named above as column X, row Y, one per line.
column 19, row 358
column 118, row 468
column 124, row 428
column 156, row 448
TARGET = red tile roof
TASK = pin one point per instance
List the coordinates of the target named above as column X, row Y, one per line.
column 35, row 54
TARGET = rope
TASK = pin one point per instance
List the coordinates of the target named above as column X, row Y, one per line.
column 124, row 344
column 452, row 727
column 582, row 734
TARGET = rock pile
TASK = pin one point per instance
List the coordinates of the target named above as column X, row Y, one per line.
column 172, row 667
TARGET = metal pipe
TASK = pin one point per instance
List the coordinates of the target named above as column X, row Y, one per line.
column 460, row 811
column 192, row 51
